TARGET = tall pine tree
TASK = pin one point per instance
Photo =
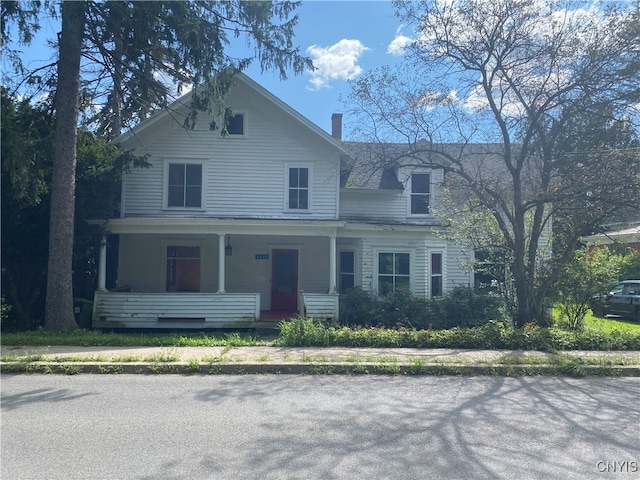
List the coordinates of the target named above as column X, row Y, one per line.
column 124, row 55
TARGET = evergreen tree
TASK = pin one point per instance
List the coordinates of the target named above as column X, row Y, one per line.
column 129, row 51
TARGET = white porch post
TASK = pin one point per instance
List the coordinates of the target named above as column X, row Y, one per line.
column 221, row 262
column 102, row 266
column 332, row 265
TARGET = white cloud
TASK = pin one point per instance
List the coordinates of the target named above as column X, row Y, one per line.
column 398, row 45
column 337, row 62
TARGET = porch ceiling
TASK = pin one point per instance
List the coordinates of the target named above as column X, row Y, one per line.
column 181, row 225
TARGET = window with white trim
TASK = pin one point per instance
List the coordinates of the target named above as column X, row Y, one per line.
column 183, row 268
column 393, row 272
column 184, row 185
column 298, row 189
column 436, row 275
column 420, row 193
column 347, row 271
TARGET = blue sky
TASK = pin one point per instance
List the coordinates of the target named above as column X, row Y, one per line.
column 344, row 39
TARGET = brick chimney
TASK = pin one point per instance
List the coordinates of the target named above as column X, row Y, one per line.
column 336, row 126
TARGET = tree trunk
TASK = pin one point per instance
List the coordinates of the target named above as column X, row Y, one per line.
column 521, row 283
column 116, row 128
column 59, row 301
column 521, row 277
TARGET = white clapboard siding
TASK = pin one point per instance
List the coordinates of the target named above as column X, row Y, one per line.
column 373, row 205
column 456, row 272
column 419, row 268
column 143, row 310
column 457, row 268
column 243, row 176
column 388, row 205
column 320, row 306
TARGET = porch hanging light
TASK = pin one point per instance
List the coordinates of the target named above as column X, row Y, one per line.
column 228, row 250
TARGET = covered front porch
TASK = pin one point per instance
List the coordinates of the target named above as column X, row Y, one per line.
column 201, row 273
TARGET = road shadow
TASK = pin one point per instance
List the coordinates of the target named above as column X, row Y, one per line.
column 43, row 395
column 429, row 427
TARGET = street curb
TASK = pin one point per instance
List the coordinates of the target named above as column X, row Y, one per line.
column 318, row 368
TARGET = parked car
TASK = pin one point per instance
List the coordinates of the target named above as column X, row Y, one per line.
column 624, row 300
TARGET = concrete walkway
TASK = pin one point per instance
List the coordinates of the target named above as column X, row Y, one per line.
column 300, row 360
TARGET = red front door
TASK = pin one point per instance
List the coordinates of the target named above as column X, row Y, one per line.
column 284, row 281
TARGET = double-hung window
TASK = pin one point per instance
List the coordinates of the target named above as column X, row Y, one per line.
column 347, row 271
column 184, row 187
column 393, row 272
column 298, row 188
column 436, row 274
column 420, row 193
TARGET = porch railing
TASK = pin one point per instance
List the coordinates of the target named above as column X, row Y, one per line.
column 320, row 305
column 174, row 310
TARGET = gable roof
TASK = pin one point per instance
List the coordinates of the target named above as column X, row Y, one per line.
column 240, row 79
column 371, row 166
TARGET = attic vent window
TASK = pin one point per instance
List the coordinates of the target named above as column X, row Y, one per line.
column 236, row 125
column 420, row 193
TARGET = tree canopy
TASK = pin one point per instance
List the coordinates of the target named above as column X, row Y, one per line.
column 120, row 61
column 27, row 133
column 532, row 109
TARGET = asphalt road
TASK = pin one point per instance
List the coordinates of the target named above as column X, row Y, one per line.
column 325, row 427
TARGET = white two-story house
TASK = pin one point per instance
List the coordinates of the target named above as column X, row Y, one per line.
column 276, row 217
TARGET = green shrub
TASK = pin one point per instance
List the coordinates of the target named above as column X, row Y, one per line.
column 358, row 307
column 402, row 309
column 4, row 310
column 462, row 307
column 492, row 335
column 304, row 332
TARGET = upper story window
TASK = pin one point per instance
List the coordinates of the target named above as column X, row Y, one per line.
column 298, row 188
column 393, row 272
column 420, row 193
column 236, row 124
column 184, row 186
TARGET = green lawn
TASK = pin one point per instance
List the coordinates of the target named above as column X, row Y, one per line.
column 608, row 325
column 84, row 337
column 156, row 339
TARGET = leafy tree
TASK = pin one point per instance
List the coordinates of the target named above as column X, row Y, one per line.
column 591, row 273
column 27, row 140
column 26, row 143
column 128, row 52
column 531, row 108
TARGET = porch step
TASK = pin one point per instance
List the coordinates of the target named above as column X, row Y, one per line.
column 276, row 316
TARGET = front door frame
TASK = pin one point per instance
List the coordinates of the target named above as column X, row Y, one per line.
column 284, row 301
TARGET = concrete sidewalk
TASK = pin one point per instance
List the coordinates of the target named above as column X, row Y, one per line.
column 313, row 360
